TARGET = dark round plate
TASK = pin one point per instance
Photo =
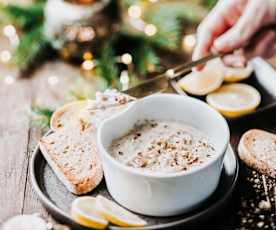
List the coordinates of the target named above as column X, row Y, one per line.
column 57, row 200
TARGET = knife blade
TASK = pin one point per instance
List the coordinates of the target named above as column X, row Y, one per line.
column 161, row 82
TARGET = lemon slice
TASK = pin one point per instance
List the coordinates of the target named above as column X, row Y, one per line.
column 234, row 99
column 84, row 211
column 205, row 81
column 25, row 222
column 237, row 74
column 117, row 215
column 66, row 113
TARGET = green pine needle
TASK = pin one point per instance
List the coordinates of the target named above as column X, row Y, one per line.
column 29, row 19
column 41, row 116
column 209, row 3
column 144, row 57
column 25, row 17
column 106, row 66
column 168, row 17
column 31, row 46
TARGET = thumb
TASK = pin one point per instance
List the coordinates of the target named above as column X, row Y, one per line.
column 243, row 30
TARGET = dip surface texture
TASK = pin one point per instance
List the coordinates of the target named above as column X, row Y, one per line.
column 162, row 146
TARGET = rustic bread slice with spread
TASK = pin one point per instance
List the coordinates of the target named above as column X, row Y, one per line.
column 257, row 148
column 71, row 112
column 71, row 149
column 71, row 152
column 65, row 114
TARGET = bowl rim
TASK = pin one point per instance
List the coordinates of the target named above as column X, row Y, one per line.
column 104, row 153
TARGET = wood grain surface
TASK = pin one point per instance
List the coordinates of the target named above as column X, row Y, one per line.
column 18, row 138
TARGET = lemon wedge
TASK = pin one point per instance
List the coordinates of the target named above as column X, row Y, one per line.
column 85, row 211
column 66, row 113
column 25, row 222
column 205, row 81
column 117, row 215
column 235, row 99
column 237, row 74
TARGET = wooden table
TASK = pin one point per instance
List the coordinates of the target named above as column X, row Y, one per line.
column 18, row 138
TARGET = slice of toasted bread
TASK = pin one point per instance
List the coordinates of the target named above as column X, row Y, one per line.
column 112, row 97
column 96, row 116
column 257, row 148
column 71, row 152
column 65, row 114
column 71, row 112
column 71, row 149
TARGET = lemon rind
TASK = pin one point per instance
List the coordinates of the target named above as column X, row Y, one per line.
column 116, row 220
column 231, row 112
column 87, row 222
column 82, row 218
column 200, row 92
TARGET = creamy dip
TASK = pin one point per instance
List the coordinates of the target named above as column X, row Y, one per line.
column 162, row 146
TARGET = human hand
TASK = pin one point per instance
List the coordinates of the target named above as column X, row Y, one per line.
column 231, row 25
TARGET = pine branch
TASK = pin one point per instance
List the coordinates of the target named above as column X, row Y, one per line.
column 144, row 57
column 209, row 3
column 168, row 18
column 29, row 19
column 41, row 116
column 25, row 17
column 32, row 45
column 106, row 66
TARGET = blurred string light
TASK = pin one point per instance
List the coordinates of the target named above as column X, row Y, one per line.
column 153, row 1
column 188, row 42
column 86, row 34
column 87, row 55
column 5, row 56
column 134, row 11
column 9, row 80
column 151, row 68
column 88, row 65
column 170, row 73
column 53, row 80
column 138, row 24
column 126, row 59
column 150, row 30
column 10, row 32
column 124, row 79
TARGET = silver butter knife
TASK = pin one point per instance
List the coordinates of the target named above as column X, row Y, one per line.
column 161, row 82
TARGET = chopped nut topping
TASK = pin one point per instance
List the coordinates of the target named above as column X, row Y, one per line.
column 162, row 146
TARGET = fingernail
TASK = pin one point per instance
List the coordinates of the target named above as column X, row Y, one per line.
column 197, row 68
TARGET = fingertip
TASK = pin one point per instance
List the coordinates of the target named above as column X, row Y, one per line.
column 234, row 60
column 220, row 46
column 198, row 68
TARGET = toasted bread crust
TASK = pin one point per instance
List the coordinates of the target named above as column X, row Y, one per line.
column 68, row 165
column 71, row 149
column 65, row 114
column 260, row 161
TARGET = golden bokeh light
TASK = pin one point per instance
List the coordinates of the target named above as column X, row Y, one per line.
column 150, row 30
column 135, row 11
column 126, row 58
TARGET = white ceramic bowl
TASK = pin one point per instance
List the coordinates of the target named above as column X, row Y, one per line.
column 161, row 194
